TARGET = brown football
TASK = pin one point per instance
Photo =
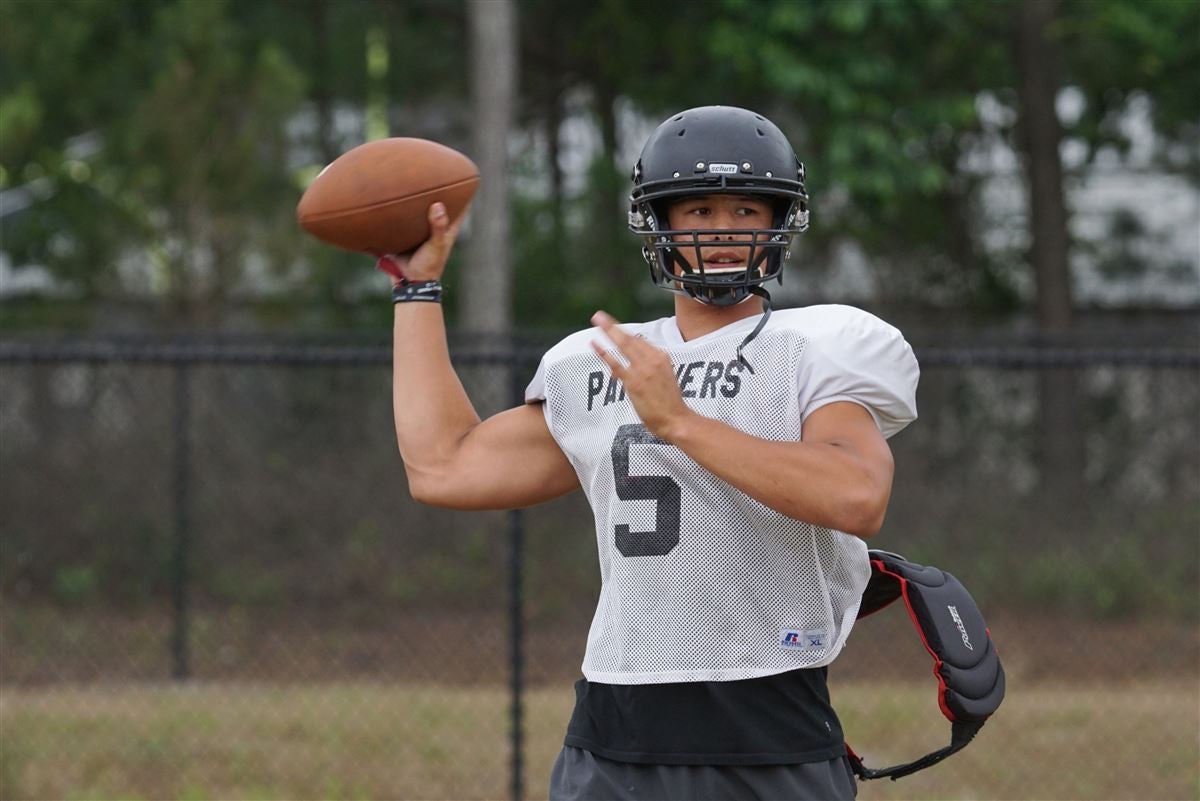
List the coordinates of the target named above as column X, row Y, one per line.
column 375, row 198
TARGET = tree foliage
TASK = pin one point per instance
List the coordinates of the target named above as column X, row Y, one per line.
column 161, row 146
column 1119, row 51
column 187, row 157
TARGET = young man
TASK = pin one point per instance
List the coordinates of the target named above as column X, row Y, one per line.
column 735, row 460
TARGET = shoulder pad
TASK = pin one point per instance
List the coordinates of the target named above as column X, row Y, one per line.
column 952, row 629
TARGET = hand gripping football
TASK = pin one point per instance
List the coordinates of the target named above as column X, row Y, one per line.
column 375, row 198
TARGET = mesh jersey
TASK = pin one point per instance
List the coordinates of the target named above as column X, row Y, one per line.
column 700, row 581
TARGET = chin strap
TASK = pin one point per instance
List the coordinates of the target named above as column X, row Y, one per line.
column 766, row 299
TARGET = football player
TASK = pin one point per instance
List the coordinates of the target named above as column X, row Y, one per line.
column 735, row 460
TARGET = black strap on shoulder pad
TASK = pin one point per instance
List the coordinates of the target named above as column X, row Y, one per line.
column 967, row 667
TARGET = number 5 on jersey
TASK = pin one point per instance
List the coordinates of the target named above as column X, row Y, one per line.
column 662, row 489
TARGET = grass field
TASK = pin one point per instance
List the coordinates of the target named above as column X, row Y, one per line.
column 245, row 741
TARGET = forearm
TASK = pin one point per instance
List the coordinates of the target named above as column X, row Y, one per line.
column 823, row 483
column 432, row 411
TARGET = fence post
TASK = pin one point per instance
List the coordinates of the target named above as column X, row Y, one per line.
column 516, row 544
column 179, row 557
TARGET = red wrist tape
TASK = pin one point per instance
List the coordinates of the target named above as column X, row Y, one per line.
column 387, row 266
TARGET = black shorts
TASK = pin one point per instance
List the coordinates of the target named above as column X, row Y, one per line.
column 582, row 776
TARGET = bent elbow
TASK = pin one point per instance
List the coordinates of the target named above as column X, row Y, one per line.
column 424, row 488
column 442, row 492
column 868, row 526
column 864, row 517
column 417, row 492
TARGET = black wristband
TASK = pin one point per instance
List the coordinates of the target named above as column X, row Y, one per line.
column 424, row 291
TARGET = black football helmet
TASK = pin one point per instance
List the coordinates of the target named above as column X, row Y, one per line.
column 712, row 150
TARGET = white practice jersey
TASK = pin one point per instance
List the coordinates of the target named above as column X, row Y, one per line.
column 700, row 581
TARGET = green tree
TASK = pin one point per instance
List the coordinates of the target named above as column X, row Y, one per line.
column 881, row 99
column 594, row 58
column 178, row 134
column 66, row 67
column 1115, row 51
column 185, row 114
column 171, row 139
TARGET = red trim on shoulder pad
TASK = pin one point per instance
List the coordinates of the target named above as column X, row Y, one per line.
column 884, row 606
column 937, row 662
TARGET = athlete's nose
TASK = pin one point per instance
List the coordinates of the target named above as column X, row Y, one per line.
column 726, row 220
column 727, row 225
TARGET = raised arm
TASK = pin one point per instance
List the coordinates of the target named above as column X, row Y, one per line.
column 453, row 459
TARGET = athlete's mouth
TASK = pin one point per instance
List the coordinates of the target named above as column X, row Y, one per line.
column 724, row 261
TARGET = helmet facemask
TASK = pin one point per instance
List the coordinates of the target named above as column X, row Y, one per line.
column 764, row 249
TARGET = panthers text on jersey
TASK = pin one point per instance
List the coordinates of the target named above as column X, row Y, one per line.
column 700, row 581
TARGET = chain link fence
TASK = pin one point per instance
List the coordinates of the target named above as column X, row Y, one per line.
column 215, row 584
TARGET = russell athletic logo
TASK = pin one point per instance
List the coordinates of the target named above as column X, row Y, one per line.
column 794, row 639
column 961, row 628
